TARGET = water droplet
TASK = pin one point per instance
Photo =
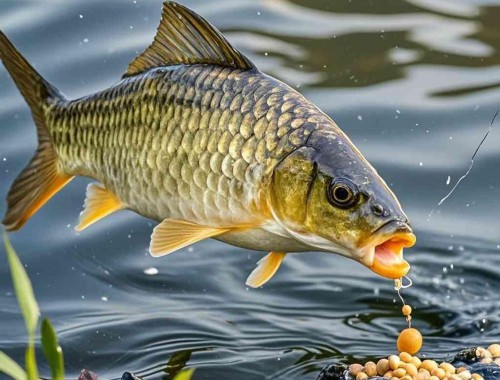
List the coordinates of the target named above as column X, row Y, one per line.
column 151, row 271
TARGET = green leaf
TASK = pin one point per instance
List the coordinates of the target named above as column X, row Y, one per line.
column 23, row 289
column 30, row 358
column 27, row 304
column 11, row 368
column 185, row 374
column 52, row 351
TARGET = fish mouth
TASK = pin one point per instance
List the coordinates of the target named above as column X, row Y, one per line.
column 384, row 255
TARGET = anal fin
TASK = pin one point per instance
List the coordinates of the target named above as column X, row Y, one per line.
column 173, row 234
column 99, row 203
column 265, row 270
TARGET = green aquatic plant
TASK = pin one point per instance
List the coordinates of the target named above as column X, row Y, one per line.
column 185, row 374
column 31, row 314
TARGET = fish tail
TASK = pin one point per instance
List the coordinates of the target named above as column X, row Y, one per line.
column 42, row 178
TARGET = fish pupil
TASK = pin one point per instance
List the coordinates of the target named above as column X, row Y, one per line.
column 342, row 194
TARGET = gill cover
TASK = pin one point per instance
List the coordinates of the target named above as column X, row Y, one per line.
column 291, row 183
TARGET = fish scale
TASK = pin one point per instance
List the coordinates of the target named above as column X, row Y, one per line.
column 192, row 142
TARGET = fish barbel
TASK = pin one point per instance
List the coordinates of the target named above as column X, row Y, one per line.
column 196, row 137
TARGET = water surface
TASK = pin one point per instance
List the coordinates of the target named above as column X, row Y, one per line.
column 415, row 85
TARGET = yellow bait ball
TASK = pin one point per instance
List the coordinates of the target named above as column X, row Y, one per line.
column 406, row 310
column 409, row 340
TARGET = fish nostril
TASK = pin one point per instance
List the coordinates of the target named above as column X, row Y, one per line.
column 378, row 209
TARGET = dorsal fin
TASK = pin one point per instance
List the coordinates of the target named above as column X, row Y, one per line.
column 184, row 37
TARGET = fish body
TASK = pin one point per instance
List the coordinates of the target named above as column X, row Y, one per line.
column 196, row 142
column 197, row 138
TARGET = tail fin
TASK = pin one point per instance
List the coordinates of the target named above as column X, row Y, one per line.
column 42, row 178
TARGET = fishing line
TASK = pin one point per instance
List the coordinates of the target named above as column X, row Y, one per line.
column 468, row 170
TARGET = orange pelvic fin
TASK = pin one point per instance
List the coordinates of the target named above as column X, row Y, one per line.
column 99, row 202
column 173, row 234
column 265, row 270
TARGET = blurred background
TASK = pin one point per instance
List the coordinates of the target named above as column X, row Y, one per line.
column 414, row 83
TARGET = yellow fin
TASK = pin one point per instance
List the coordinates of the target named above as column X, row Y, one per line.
column 184, row 37
column 36, row 184
column 99, row 202
column 43, row 177
column 265, row 270
column 173, row 234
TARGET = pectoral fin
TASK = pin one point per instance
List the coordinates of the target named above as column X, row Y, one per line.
column 99, row 202
column 266, row 268
column 173, row 234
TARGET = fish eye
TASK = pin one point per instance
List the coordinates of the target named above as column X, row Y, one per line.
column 342, row 193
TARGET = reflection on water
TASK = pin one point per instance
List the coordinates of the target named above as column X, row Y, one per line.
column 413, row 83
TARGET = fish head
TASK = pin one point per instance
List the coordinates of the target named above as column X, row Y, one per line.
column 328, row 197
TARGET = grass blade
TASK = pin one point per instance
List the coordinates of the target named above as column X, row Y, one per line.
column 31, row 369
column 27, row 304
column 11, row 368
column 185, row 374
column 22, row 287
column 52, row 351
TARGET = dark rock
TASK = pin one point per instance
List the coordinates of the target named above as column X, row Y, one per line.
column 467, row 356
column 129, row 376
column 333, row 372
column 87, row 375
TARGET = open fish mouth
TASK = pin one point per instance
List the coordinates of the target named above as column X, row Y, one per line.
column 388, row 257
column 384, row 256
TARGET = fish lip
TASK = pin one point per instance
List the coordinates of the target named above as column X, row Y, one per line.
column 389, row 239
column 393, row 225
